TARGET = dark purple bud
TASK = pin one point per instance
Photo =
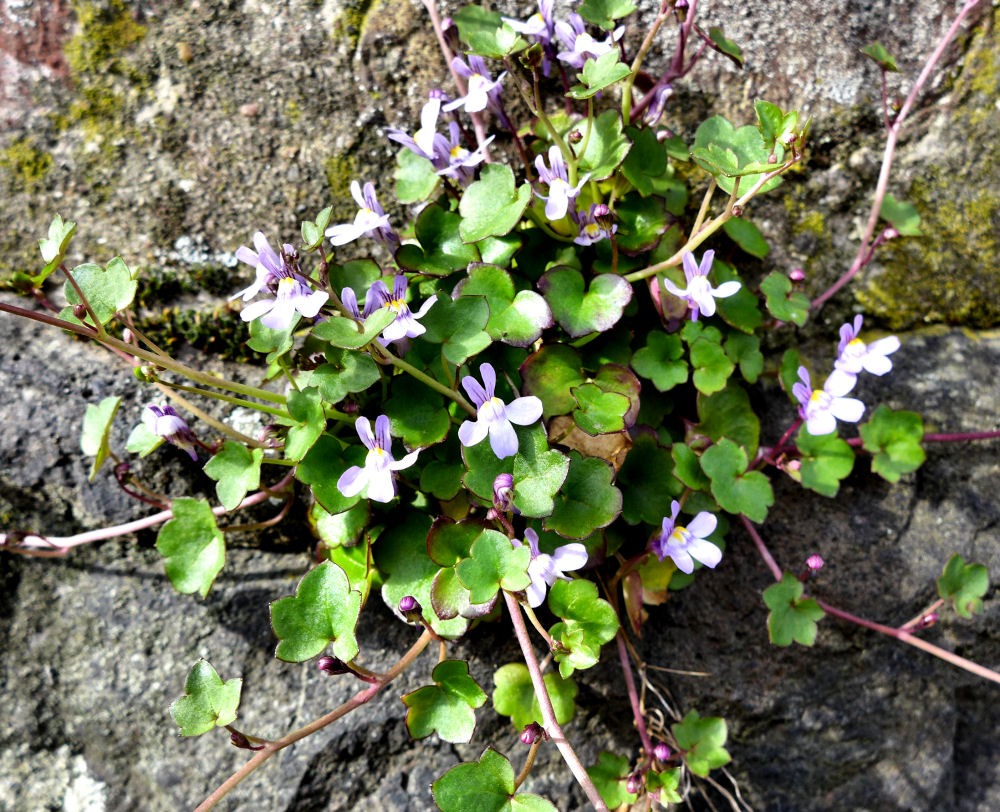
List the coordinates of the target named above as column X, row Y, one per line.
column 603, row 217
column 633, row 783
column 661, row 751
column 503, row 492
column 268, row 435
column 332, row 666
column 928, row 620
column 532, row 733
column 575, row 137
column 409, row 607
column 241, row 741
column 814, row 562
column 737, row 211
column 79, row 311
column 796, row 274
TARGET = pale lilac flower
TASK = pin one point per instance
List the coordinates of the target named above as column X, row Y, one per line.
column 560, row 192
column 166, row 423
column 495, row 417
column 699, row 293
column 379, row 464
column 371, row 220
column 544, row 569
column 406, row 324
column 593, row 225
column 422, row 141
column 580, row 46
column 454, row 160
column 821, row 408
column 482, row 90
column 266, row 262
column 853, row 355
column 660, row 95
column 685, row 545
column 503, row 493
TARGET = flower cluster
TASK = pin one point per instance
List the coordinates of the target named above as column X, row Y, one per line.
column 371, row 220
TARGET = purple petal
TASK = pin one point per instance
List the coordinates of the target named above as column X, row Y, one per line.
column 703, row 525
column 705, row 552
column 570, row 557
column 706, row 262
column 382, row 438
column 690, row 266
column 850, row 410
column 399, row 288
column 472, row 432
column 503, row 439
column 353, row 481
column 524, row 411
column 281, row 315
column 406, row 462
column 309, row 304
column 350, row 302
column 425, row 307
column 726, row 289
column 820, row 424
column 381, row 486
column 364, row 429
column 250, row 312
column 475, row 390
column 531, row 538
column 356, row 194
column 682, row 561
column 672, row 288
column 489, row 379
column 535, row 593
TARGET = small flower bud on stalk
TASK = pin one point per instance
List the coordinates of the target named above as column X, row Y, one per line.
column 241, row 741
column 575, row 137
column 503, row 493
column 533, row 733
column 815, row 562
column 332, row 666
column 409, row 607
column 927, row 620
column 79, row 311
column 633, row 783
column 796, row 275
column 661, row 751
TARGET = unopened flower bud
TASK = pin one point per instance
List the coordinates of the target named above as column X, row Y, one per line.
column 772, row 158
column 332, row 666
column 603, row 216
column 532, row 58
column 737, row 211
column 128, row 336
column 814, row 562
column 928, row 620
column 241, row 741
column 79, row 311
column 796, row 274
column 661, row 751
column 890, row 233
column 633, row 783
column 532, row 733
column 409, row 607
column 575, row 137
column 503, row 492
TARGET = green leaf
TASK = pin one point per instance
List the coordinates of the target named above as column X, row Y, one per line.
column 323, row 610
column 357, row 274
column 739, row 310
column 775, row 125
column 97, row 422
column 355, row 562
column 514, row 695
column 549, row 374
column 687, row 468
column 306, row 409
column 609, row 775
column 606, row 148
column 447, row 707
column 964, row 585
column 441, row 250
column 744, row 350
column 497, row 44
column 825, row 461
column 901, row 215
column 646, row 481
column 322, row 466
column 587, row 501
column 273, row 342
column 747, row 236
column 782, row 304
column 451, row 599
column 599, row 74
column 416, row 178
column 449, row 542
column 646, row 161
column 313, row 232
column 792, row 617
column 588, row 623
column 442, row 480
column 641, row 222
column 734, row 490
column 494, row 564
column 660, row 361
column 492, row 206
column 486, row 785
column 474, row 19
column 401, row 555
column 599, row 412
column 893, row 438
column 108, row 290
column 725, row 47
column 788, row 372
column 712, row 367
column 459, row 326
column 416, row 413
column 724, row 151
column 207, row 702
column 339, row 529
column 663, row 785
column 236, row 470
column 579, row 313
column 603, row 13
column 518, row 319
column 193, row 547
column 345, row 332
column 54, row 247
column 877, row 52
column 142, row 440
column 701, row 741
column 729, row 414
column 346, row 371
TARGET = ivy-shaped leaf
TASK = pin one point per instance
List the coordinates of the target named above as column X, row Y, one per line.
column 646, row 161
column 725, row 47
column 687, row 468
column 726, row 152
column 877, row 53
column 459, row 326
column 729, row 414
column 447, row 707
column 516, row 319
column 739, row 310
column 712, row 367
column 236, row 470
column 599, row 74
column 192, row 546
column 599, row 412
column 323, row 610
column 663, row 785
column 747, row 236
column 514, row 695
column 494, row 564
column 825, row 461
column 609, row 775
column 606, row 148
column 893, row 437
column 97, row 422
column 322, row 466
column 734, row 489
column 306, row 409
column 313, row 232
column 54, row 247
column 207, row 702
column 416, row 178
column 345, row 332
column 588, row 622
column 642, row 221
column 782, row 304
column 964, row 585
column 660, row 361
column 579, row 313
column 701, row 740
column 492, row 206
column 486, row 785
column 901, row 215
column 442, row 250
column 416, row 413
column 792, row 617
column 774, row 124
column 603, row 13
column 646, row 481
column 587, row 501
column 142, row 440
column 108, row 290
column 346, row 371
column 550, row 374
column 744, row 350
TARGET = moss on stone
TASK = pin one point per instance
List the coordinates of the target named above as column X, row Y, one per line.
column 352, row 22
column 340, row 171
column 26, row 165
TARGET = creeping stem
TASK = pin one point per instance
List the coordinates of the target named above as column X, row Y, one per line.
column 423, row 377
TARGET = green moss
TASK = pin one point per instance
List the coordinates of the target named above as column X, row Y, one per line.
column 26, row 165
column 106, row 31
column 220, row 332
column 353, row 21
column 340, row 171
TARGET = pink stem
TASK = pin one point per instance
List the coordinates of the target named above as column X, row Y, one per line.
column 633, row 697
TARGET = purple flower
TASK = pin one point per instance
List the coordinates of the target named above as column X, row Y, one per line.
column 454, row 160
column 544, row 569
column 660, row 95
column 494, row 416
column 503, row 493
column 685, row 545
column 166, row 423
column 580, row 46
column 379, row 464
column 406, row 324
column 699, row 293
column 560, row 192
column 482, row 90
column 821, row 408
column 853, row 355
column 277, row 276
column 422, row 142
column 593, row 225
column 371, row 220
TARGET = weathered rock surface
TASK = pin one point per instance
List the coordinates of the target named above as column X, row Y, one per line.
column 170, row 131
